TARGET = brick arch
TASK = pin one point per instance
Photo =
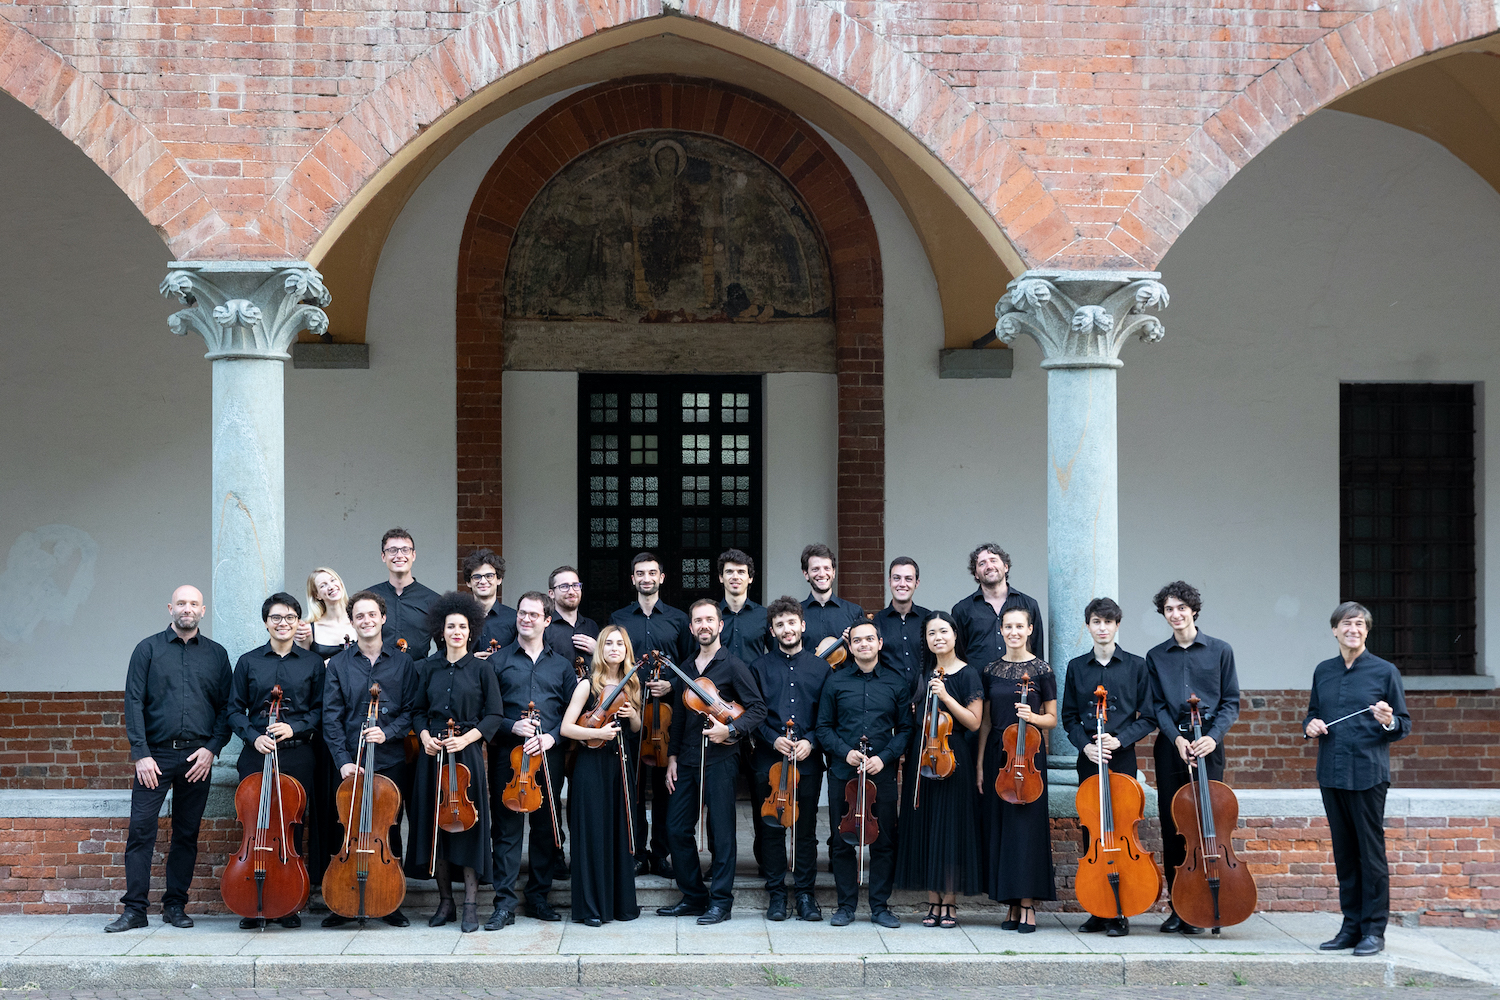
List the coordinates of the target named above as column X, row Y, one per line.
column 109, row 135
column 518, row 33
column 795, row 149
column 1375, row 44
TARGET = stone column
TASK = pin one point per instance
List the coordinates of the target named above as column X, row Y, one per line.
column 1080, row 319
column 248, row 313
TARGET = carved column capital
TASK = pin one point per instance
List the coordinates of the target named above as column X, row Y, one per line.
column 247, row 309
column 1081, row 319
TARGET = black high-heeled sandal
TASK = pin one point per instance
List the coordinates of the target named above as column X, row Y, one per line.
column 931, row 920
column 1026, row 928
column 949, row 921
column 471, row 918
column 1012, row 919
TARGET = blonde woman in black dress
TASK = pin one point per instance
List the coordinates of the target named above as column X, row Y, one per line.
column 938, row 841
column 1017, row 839
column 603, row 866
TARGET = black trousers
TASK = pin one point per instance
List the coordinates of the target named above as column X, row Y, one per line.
column 657, row 843
column 300, row 762
column 843, row 856
column 1121, row 761
column 1173, row 773
column 772, row 839
column 682, row 820
column 508, row 830
column 188, row 800
column 1356, row 819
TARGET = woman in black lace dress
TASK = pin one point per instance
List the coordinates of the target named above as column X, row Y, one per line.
column 1017, row 839
column 938, row 840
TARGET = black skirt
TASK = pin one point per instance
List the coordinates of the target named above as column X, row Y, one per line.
column 603, row 867
column 470, row 849
column 938, row 843
column 1017, row 839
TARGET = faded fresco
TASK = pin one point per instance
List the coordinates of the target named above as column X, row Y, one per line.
column 668, row 227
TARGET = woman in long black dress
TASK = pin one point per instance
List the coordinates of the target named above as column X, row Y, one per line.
column 455, row 685
column 1018, row 839
column 938, row 842
column 603, row 866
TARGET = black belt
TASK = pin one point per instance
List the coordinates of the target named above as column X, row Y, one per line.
column 193, row 742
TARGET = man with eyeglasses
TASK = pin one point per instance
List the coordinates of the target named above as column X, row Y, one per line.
column 570, row 635
column 529, row 674
column 485, row 573
column 299, row 673
column 407, row 601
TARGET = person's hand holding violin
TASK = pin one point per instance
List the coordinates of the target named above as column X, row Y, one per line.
column 798, row 749
column 453, row 744
column 872, row 764
column 430, row 744
column 659, row 689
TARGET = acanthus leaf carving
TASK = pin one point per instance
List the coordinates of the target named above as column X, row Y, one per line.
column 1081, row 319
column 248, row 310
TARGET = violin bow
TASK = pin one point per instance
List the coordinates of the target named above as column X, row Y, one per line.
column 547, row 777
column 791, row 762
column 625, row 776
column 864, row 751
column 437, row 809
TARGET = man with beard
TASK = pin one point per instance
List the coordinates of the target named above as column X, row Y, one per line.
column 828, row 615
column 652, row 624
column 978, row 615
column 704, row 755
column 177, row 720
column 570, row 635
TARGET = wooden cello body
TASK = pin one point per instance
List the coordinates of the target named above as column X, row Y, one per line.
column 364, row 879
column 1116, row 876
column 267, row 877
column 1211, row 888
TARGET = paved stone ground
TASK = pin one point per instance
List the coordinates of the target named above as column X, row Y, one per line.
column 762, row 993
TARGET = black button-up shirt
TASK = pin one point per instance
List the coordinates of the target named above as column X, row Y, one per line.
column 665, row 629
column 855, row 704
column 300, row 674
column 548, row 681
column 1355, row 754
column 824, row 620
column 790, row 686
column 499, row 625
column 560, row 633
column 1204, row 668
column 1128, row 714
column 176, row 690
column 466, row 692
column 746, row 631
column 346, row 703
column 979, row 640
column 406, row 616
column 903, row 644
column 735, row 682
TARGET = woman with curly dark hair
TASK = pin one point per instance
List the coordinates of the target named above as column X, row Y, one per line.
column 453, row 684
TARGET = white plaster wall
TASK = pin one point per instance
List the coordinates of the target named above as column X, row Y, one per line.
column 539, row 424
column 801, row 476
column 105, row 419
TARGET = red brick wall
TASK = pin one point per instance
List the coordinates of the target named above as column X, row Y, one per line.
column 595, row 116
column 71, row 739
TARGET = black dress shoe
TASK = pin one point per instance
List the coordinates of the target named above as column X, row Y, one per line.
column 682, row 909
column 502, row 917
column 176, row 916
column 471, row 918
column 663, row 867
column 776, row 910
column 1370, row 944
column 1188, row 928
column 562, row 871
column 1093, row 925
column 446, row 914
column 252, row 923
column 885, row 918
column 1118, row 927
column 127, row 921
column 335, row 920
column 842, row 918
column 1343, row 939
column 714, row 915
column 1171, row 925
column 291, row 920
column 542, row 910
column 642, row 867
column 807, row 907
column 397, row 919
column 592, row 922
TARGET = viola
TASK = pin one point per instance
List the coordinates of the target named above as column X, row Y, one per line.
column 1212, row 888
column 1020, row 782
column 365, row 879
column 837, row 653
column 702, row 696
column 267, row 877
column 780, row 807
column 657, row 725
column 454, row 809
column 604, row 713
column 935, row 759
column 1116, row 876
column 523, row 793
column 858, row 827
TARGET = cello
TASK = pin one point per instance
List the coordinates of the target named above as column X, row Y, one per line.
column 935, row 758
column 267, row 877
column 1117, row 878
column 1020, row 783
column 365, row 879
column 1211, row 888
column 858, row 827
column 454, row 810
column 523, row 793
column 656, row 726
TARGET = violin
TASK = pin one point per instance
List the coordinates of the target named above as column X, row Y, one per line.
column 935, row 759
column 455, row 811
column 1020, row 782
column 365, row 879
column 581, row 666
column 656, row 727
column 411, row 741
column 609, row 706
column 858, row 826
column 267, row 877
column 837, row 653
column 780, row 807
column 1116, row 876
column 703, row 697
column 1212, row 888
column 523, row 793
